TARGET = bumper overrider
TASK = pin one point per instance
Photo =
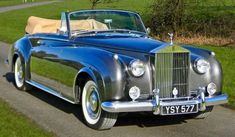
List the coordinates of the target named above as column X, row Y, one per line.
column 156, row 104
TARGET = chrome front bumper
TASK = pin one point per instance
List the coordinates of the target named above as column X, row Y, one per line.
column 155, row 104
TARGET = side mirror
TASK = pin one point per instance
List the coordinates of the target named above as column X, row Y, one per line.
column 148, row 30
column 62, row 31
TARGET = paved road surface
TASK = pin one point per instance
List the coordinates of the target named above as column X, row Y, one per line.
column 26, row 5
column 65, row 119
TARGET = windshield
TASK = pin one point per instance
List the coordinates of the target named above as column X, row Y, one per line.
column 105, row 21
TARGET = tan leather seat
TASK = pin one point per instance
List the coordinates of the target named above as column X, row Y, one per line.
column 89, row 24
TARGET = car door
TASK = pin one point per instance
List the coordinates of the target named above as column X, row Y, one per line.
column 44, row 58
column 52, row 67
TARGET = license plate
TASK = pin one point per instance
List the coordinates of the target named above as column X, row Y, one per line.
column 179, row 109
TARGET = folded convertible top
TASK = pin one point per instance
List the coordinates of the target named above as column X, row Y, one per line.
column 42, row 25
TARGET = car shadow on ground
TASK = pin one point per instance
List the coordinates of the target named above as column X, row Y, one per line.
column 9, row 77
column 124, row 119
column 149, row 120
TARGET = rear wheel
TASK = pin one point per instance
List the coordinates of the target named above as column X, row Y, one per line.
column 20, row 75
column 94, row 116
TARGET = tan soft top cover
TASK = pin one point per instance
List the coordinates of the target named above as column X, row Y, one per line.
column 42, row 25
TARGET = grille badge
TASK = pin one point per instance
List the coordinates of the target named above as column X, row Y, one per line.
column 175, row 92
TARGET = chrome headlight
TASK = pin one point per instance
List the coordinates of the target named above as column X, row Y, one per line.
column 202, row 66
column 137, row 68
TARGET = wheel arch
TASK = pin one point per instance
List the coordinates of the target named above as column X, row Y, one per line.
column 82, row 77
column 14, row 57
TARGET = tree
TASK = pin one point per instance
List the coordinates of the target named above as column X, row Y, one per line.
column 166, row 16
column 94, row 3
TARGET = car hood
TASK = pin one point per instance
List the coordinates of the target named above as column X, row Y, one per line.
column 136, row 44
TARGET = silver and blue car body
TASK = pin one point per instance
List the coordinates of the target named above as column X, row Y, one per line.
column 132, row 72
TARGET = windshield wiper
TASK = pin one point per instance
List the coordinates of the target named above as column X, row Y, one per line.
column 79, row 31
column 92, row 32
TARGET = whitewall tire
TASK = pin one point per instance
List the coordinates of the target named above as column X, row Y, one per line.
column 94, row 116
column 19, row 75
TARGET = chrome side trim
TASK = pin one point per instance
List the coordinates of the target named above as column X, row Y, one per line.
column 48, row 38
column 48, row 90
column 150, row 105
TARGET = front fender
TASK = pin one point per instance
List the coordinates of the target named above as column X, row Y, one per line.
column 215, row 74
column 107, row 71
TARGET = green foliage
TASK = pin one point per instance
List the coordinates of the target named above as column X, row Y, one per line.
column 166, row 16
column 14, row 124
column 94, row 3
column 193, row 17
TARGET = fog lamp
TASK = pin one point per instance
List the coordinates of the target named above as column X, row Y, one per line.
column 211, row 88
column 134, row 93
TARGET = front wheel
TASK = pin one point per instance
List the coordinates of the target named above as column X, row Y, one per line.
column 94, row 116
column 19, row 74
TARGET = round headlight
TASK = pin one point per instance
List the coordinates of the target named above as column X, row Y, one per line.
column 202, row 66
column 134, row 93
column 137, row 68
column 211, row 88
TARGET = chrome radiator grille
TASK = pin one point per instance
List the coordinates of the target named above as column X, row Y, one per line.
column 172, row 71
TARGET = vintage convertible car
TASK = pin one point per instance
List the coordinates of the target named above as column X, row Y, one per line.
column 106, row 61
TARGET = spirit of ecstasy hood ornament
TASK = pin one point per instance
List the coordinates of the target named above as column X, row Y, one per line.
column 171, row 37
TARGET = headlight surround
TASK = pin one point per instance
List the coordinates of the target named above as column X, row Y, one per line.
column 137, row 68
column 201, row 66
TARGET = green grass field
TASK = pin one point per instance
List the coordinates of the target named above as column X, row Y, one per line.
column 14, row 124
column 15, row 2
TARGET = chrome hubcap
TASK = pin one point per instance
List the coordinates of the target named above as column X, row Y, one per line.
column 19, row 75
column 92, row 103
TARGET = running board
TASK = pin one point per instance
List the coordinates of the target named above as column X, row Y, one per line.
column 48, row 90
